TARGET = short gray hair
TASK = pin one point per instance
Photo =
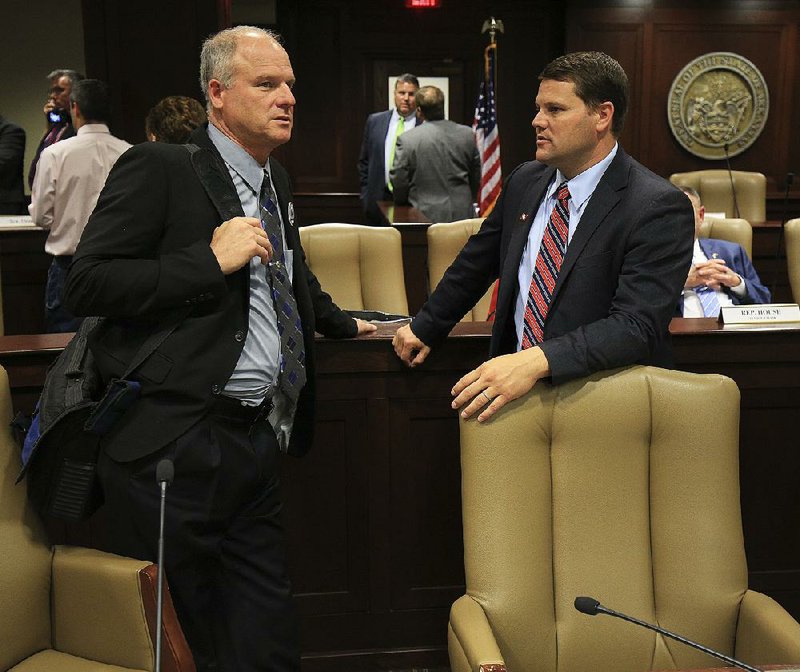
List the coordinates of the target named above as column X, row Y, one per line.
column 216, row 56
column 72, row 75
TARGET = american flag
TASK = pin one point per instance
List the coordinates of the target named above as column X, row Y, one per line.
column 487, row 137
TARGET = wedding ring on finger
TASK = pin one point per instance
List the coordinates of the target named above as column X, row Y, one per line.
column 486, row 396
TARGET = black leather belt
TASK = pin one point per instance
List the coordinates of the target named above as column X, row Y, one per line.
column 234, row 409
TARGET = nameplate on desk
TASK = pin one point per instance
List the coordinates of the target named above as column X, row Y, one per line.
column 766, row 313
column 16, row 221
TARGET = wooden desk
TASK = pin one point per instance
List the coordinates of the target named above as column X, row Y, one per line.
column 413, row 227
column 24, row 263
column 373, row 511
column 23, row 274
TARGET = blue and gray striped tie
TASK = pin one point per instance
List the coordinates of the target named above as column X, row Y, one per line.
column 290, row 329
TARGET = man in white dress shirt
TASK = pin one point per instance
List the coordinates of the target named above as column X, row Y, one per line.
column 69, row 178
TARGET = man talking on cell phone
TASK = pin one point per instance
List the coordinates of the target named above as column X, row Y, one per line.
column 56, row 114
column 233, row 385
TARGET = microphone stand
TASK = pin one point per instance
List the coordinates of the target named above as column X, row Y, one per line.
column 784, row 217
column 590, row 606
column 730, row 176
column 165, row 472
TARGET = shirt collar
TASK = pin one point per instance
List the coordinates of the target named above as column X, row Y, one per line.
column 396, row 115
column 92, row 128
column 238, row 159
column 582, row 186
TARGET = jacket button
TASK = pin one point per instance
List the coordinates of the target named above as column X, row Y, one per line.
column 215, row 389
column 239, row 336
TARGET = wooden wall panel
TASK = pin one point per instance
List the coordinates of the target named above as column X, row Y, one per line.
column 426, row 479
column 625, row 42
column 756, row 43
column 343, row 51
column 146, row 50
column 673, row 34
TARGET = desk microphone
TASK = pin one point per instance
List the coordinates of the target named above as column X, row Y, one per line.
column 733, row 186
column 165, row 472
column 590, row 606
column 784, row 217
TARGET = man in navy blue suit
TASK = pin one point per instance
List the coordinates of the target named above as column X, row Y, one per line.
column 721, row 266
column 590, row 247
column 377, row 148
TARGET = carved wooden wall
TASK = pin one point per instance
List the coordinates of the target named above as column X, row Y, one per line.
column 654, row 43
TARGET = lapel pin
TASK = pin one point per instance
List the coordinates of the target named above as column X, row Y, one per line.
column 290, row 209
column 523, row 217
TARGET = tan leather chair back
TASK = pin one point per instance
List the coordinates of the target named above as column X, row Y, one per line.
column 25, row 560
column 793, row 256
column 623, row 486
column 361, row 267
column 734, row 230
column 714, row 187
column 445, row 241
column 70, row 608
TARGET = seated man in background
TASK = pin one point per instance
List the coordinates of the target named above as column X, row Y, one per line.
column 436, row 164
column 173, row 119
column 68, row 181
column 721, row 273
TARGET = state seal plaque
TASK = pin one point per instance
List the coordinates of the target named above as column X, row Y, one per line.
column 719, row 98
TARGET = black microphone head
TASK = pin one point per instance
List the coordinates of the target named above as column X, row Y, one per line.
column 789, row 179
column 165, row 471
column 587, row 605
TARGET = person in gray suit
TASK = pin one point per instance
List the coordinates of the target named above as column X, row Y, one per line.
column 436, row 165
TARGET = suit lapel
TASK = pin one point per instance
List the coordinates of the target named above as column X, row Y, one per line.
column 521, row 223
column 601, row 203
column 383, row 128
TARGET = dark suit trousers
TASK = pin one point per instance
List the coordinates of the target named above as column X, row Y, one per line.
column 224, row 544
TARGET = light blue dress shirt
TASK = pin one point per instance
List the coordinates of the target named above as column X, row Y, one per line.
column 256, row 371
column 581, row 187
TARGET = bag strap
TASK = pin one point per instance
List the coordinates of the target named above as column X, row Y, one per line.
column 74, row 365
column 216, row 181
column 154, row 341
column 227, row 204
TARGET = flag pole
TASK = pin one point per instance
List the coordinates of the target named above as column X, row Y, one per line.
column 487, row 133
column 492, row 26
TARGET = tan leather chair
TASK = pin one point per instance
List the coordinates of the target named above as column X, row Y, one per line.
column 623, row 486
column 734, row 230
column 792, row 232
column 445, row 241
column 67, row 608
column 714, row 187
column 361, row 267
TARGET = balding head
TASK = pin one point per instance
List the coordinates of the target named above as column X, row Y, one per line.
column 218, row 55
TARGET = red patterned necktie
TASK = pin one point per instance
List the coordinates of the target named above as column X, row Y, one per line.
column 545, row 271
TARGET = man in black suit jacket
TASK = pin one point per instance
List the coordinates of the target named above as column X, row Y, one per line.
column 624, row 266
column 216, row 397
column 380, row 134
column 12, row 150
